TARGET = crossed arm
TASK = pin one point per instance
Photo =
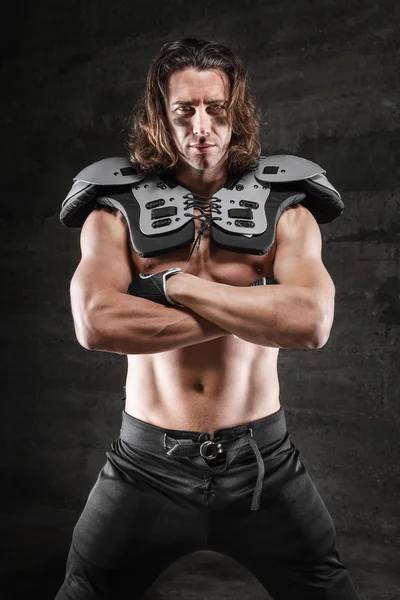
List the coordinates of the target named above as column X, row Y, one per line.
column 296, row 313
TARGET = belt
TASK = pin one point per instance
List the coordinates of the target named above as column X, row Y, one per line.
column 226, row 443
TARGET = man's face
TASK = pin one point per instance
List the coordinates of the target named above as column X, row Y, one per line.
column 196, row 110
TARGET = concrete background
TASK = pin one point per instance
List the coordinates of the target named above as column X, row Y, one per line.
column 327, row 78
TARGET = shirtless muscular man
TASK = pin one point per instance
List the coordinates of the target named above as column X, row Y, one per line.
column 172, row 240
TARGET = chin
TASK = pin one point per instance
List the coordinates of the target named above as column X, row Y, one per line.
column 202, row 163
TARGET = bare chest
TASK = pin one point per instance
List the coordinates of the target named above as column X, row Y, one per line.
column 210, row 262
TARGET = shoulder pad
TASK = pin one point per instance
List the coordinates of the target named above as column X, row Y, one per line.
column 285, row 167
column 117, row 170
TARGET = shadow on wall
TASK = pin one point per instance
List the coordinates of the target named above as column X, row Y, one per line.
column 41, row 581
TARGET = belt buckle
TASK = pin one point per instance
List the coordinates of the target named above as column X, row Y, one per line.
column 214, row 447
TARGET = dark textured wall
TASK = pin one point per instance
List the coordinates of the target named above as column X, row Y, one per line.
column 327, row 78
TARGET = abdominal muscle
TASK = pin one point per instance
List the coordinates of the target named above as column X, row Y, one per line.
column 217, row 384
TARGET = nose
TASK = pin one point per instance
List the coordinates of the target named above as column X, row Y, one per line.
column 201, row 122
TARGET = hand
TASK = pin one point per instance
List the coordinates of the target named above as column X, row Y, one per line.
column 153, row 286
column 175, row 285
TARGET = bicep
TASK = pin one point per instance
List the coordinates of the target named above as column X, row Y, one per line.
column 105, row 265
column 298, row 253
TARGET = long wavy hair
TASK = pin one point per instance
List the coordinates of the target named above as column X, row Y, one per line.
column 150, row 143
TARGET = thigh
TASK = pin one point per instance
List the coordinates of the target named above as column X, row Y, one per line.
column 127, row 534
column 326, row 579
column 323, row 579
column 289, row 544
column 85, row 581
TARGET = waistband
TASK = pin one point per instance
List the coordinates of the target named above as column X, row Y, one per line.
column 198, row 446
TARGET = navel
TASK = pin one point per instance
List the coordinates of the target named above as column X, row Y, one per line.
column 199, row 387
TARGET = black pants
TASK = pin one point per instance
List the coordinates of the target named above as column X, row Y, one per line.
column 165, row 493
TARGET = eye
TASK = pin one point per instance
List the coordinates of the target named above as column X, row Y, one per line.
column 216, row 107
column 184, row 109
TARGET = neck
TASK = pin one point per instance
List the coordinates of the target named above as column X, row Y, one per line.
column 202, row 182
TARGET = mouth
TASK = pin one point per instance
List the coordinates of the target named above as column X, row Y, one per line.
column 202, row 147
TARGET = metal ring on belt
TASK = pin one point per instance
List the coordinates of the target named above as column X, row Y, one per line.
column 214, row 447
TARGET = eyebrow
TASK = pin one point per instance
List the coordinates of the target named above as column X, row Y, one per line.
column 196, row 102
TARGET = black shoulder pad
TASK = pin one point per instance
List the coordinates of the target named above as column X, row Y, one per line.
column 90, row 183
column 281, row 168
column 322, row 200
column 111, row 171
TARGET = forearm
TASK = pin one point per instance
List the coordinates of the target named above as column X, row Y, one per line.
column 123, row 324
column 280, row 316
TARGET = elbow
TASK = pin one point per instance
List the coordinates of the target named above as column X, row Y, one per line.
column 319, row 332
column 86, row 334
column 88, row 342
column 317, row 339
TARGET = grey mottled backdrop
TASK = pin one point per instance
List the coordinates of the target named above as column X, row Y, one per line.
column 327, row 78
